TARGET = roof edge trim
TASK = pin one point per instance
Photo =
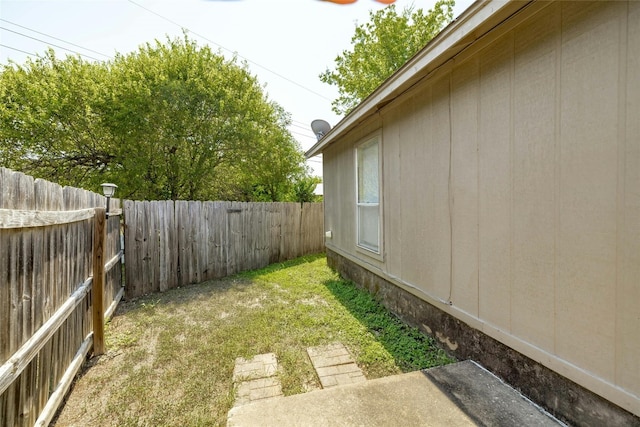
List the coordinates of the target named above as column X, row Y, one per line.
column 441, row 48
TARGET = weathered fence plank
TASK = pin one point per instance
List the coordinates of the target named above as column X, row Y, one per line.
column 220, row 239
column 172, row 241
column 131, row 254
column 99, row 237
column 161, row 237
column 170, row 244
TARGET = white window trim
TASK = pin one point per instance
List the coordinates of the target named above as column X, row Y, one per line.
column 378, row 255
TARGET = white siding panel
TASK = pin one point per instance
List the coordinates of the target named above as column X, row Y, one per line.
column 415, row 142
column 588, row 185
column 339, row 176
column 464, row 111
column 628, row 292
column 392, row 197
column 534, row 182
column 495, row 184
column 438, row 244
column 424, row 144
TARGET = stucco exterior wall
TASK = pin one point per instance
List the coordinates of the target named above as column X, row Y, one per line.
column 511, row 191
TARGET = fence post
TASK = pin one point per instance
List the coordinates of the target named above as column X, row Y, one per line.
column 97, row 293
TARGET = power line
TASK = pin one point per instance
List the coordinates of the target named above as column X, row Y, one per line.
column 301, row 123
column 17, row 50
column 301, row 127
column 229, row 50
column 49, row 44
column 309, row 134
column 55, row 38
column 301, row 134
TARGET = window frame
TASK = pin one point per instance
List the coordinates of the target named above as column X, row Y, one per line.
column 375, row 138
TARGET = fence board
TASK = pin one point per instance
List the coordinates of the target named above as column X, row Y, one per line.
column 275, row 235
column 131, row 258
column 152, row 247
column 143, row 240
column 182, row 216
column 195, row 241
column 220, row 239
column 15, row 289
column 5, row 350
column 234, row 236
column 160, row 236
column 173, row 255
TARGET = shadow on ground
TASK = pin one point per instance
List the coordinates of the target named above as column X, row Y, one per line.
column 411, row 349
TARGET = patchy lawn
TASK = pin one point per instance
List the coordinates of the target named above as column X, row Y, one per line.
column 170, row 356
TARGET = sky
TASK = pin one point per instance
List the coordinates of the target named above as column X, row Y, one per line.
column 286, row 43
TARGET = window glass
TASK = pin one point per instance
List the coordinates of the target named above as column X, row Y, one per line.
column 368, row 203
column 368, row 173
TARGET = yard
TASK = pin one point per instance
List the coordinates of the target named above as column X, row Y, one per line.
column 170, row 356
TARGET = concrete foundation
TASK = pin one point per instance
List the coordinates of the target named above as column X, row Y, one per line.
column 563, row 398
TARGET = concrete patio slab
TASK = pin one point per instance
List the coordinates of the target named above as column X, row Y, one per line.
column 460, row 394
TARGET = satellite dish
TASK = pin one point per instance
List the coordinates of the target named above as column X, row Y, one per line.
column 320, row 128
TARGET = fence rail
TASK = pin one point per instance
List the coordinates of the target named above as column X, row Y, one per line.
column 46, row 291
column 170, row 244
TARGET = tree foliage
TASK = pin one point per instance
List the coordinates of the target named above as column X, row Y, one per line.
column 380, row 47
column 170, row 121
column 304, row 189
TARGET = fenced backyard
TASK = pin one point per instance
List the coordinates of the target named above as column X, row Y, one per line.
column 61, row 271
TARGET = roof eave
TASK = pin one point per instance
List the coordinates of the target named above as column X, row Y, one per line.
column 472, row 24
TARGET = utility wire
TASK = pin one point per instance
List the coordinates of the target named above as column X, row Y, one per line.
column 307, row 128
column 310, row 135
column 229, row 50
column 17, row 50
column 308, row 125
column 49, row 44
column 302, row 124
column 56, row 38
column 301, row 134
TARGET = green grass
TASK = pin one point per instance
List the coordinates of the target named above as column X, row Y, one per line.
column 170, row 356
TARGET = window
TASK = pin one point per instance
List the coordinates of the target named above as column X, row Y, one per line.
column 368, row 195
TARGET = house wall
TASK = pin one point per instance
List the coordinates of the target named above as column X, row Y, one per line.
column 511, row 191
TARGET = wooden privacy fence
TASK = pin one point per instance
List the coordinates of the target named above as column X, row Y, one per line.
column 170, row 244
column 53, row 245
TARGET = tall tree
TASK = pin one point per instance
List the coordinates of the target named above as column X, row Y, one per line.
column 171, row 120
column 48, row 122
column 380, row 47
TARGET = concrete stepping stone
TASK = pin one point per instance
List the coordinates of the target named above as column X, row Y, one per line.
column 334, row 365
column 256, row 378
